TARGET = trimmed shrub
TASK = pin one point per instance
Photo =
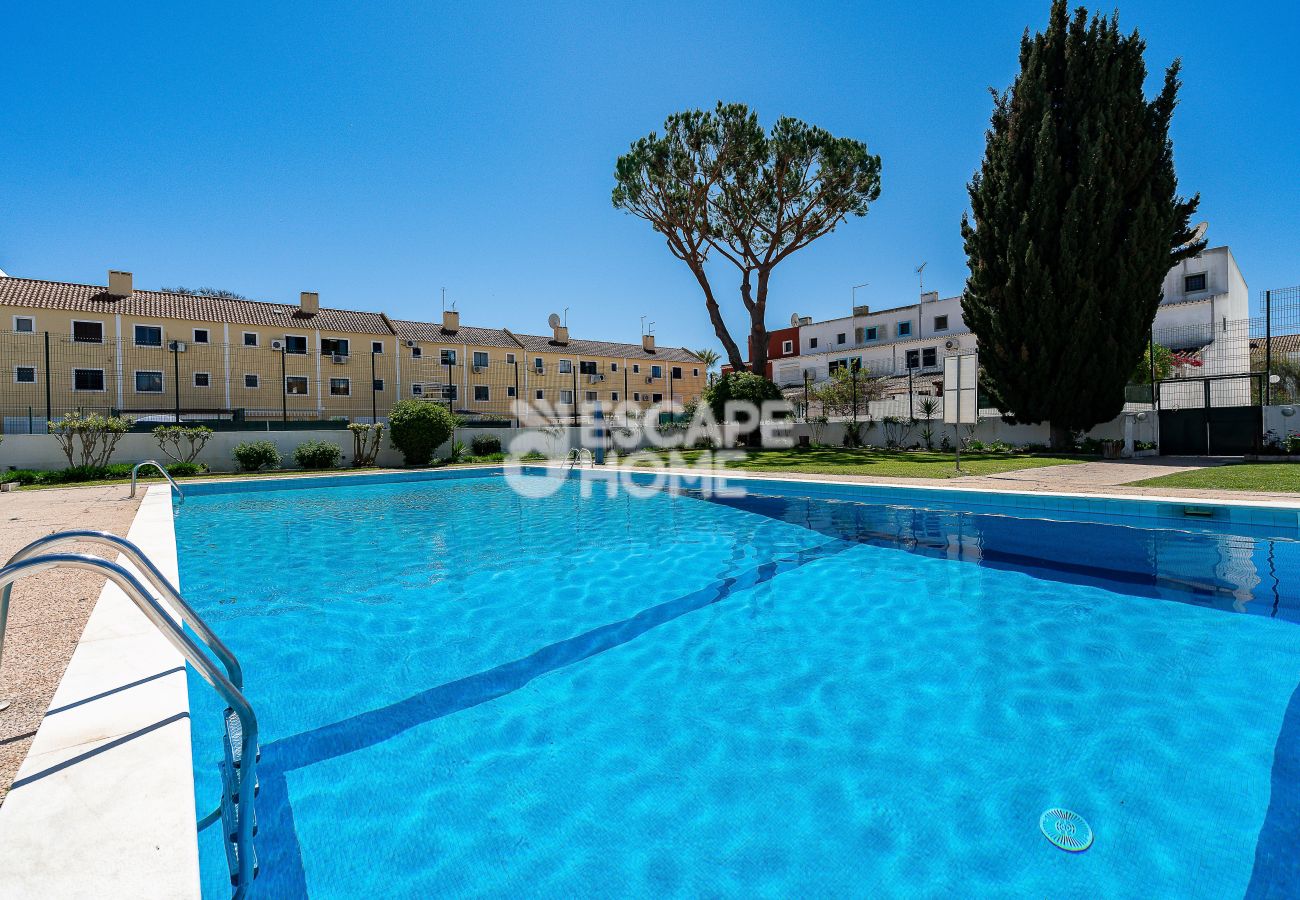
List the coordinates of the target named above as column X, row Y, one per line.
column 417, row 428
column 183, row 469
column 485, row 444
column 318, row 455
column 253, row 456
column 23, row 476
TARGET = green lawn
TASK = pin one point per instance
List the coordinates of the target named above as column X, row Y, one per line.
column 1235, row 477
column 888, row 464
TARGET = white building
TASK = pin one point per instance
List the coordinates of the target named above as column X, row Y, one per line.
column 1203, row 315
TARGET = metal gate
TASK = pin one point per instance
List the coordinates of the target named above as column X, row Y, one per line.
column 1208, row 416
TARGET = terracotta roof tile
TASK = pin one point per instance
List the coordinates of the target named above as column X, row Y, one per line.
column 165, row 305
column 433, row 333
column 538, row 343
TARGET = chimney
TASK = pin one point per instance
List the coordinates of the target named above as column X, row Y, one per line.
column 561, row 334
column 119, row 283
column 648, row 343
column 450, row 320
column 930, row 297
column 308, row 303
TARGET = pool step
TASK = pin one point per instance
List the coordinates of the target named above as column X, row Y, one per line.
column 235, row 740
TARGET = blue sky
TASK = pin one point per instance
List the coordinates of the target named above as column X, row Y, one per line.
column 377, row 153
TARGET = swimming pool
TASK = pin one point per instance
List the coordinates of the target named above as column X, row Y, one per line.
column 812, row 689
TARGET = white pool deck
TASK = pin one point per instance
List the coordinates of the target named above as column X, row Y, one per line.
column 104, row 803
column 103, row 806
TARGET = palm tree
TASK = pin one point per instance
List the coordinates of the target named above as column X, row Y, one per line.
column 710, row 359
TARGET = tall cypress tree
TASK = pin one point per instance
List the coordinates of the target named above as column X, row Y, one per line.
column 1075, row 220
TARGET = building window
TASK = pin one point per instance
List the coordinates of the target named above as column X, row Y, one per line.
column 613, row 367
column 656, row 398
column 566, row 366
column 334, row 346
column 841, row 338
column 148, row 336
column 940, row 323
column 450, row 392
column 591, row 396
column 539, row 365
column 787, row 346
column 376, row 346
column 87, row 379
column 296, row 385
column 480, row 359
column 252, row 382
column 148, row 382
column 587, row 367
column 510, row 390
column 202, row 379
column 868, row 333
column 416, row 353
column 447, row 357
column 1193, row 283
column 566, row 397
column 636, row 396
column 25, row 375
column 636, row 368
column 656, row 371
column 541, row 395
column 201, row 336
column 812, row 343
column 250, row 339
column 695, row 373
column 677, row 373
column 340, row 387
column 481, row 393
column 510, row 359
column 913, row 359
column 24, row 324
column 377, row 385
column 904, row 329
column 295, row 343
column 929, row 358
column 613, row 395
column 88, row 333
column 417, row 390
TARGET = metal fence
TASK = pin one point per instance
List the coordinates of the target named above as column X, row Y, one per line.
column 232, row 386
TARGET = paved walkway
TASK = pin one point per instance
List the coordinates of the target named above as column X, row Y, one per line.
column 48, row 611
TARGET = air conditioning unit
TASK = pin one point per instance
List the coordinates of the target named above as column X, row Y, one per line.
column 649, row 379
column 477, row 369
column 539, row 369
column 178, row 346
column 951, row 345
column 595, row 378
column 339, row 359
column 277, row 345
column 409, row 343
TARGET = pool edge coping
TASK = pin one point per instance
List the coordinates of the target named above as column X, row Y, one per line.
column 105, row 795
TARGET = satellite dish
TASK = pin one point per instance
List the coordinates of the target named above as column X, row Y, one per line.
column 1198, row 233
column 794, row 320
column 554, row 320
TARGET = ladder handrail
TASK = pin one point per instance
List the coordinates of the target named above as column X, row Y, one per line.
column 185, row 645
column 165, row 474
column 575, row 457
column 151, row 572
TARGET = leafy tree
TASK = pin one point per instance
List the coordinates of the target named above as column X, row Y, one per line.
column 1075, row 220
column 749, row 387
column 1164, row 365
column 838, row 395
column 418, row 428
column 219, row 293
column 716, row 182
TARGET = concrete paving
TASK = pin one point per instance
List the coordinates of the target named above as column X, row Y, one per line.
column 49, row 611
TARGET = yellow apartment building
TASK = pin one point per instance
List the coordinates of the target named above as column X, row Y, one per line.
column 155, row 355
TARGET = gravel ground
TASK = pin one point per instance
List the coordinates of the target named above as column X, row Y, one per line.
column 48, row 611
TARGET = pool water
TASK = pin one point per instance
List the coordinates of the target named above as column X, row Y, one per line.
column 466, row 692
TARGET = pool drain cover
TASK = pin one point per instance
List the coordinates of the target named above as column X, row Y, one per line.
column 1067, row 830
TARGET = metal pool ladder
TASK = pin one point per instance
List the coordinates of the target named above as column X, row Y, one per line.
column 575, row 457
column 239, row 768
column 157, row 465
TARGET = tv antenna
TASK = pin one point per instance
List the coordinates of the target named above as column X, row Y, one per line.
column 566, row 317
column 920, row 274
column 647, row 328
